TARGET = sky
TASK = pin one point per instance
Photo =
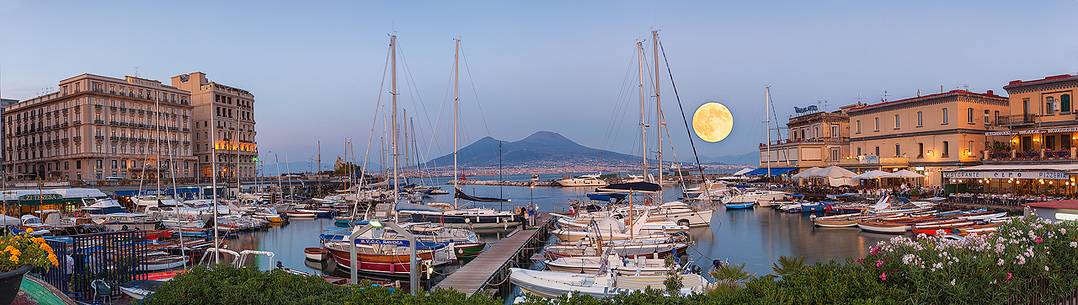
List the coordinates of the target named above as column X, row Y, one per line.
column 316, row 67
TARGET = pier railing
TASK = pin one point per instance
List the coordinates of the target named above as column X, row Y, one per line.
column 112, row 257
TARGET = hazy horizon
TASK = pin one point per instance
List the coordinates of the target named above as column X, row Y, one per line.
column 567, row 67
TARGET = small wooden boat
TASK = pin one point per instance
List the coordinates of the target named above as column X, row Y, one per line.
column 467, row 251
column 317, row 213
column 594, row 264
column 317, row 254
column 835, row 223
column 980, row 229
column 140, row 289
column 553, row 284
column 301, row 215
column 883, row 227
column 392, row 261
column 163, row 262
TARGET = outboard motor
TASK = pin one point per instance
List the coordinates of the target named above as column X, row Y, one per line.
column 717, row 263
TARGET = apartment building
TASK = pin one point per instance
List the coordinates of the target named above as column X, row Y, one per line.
column 96, row 127
column 929, row 134
column 816, row 139
column 231, row 110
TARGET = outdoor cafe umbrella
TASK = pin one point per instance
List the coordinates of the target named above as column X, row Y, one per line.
column 874, row 174
column 806, row 173
column 907, row 174
column 833, row 172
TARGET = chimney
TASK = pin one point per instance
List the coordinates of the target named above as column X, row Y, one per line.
column 991, row 93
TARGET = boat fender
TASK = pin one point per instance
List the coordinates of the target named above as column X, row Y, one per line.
column 467, row 220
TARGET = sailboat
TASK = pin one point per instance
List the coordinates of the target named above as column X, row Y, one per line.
column 480, row 220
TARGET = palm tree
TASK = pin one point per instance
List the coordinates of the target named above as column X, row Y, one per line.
column 730, row 275
column 788, row 265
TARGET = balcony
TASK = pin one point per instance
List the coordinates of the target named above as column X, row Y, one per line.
column 1043, row 155
column 823, row 140
column 1018, row 120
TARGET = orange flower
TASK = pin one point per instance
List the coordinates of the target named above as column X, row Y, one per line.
column 29, row 230
column 13, row 251
column 53, row 260
column 14, row 259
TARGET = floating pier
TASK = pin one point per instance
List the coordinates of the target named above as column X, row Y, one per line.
column 491, row 268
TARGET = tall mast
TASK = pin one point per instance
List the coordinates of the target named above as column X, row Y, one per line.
column 393, row 92
column 643, row 124
column 767, row 125
column 318, row 168
column 213, row 182
column 407, row 146
column 658, row 108
column 456, row 111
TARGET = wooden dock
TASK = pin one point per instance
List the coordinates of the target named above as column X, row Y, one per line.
column 491, row 268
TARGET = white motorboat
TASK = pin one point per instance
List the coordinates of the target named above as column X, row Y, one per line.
column 582, row 180
column 680, row 213
column 594, row 264
column 553, row 284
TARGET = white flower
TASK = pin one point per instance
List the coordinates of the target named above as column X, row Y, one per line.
column 1063, row 231
column 1074, row 244
column 1046, row 268
column 952, row 281
column 1000, row 262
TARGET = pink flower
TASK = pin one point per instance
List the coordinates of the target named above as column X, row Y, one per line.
column 883, row 276
column 875, row 250
column 1009, row 276
column 879, row 263
column 1038, row 240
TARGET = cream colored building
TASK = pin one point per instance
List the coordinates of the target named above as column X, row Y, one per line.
column 237, row 150
column 928, row 134
column 96, row 127
column 817, row 139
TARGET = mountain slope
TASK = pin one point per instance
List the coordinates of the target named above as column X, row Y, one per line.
column 543, row 147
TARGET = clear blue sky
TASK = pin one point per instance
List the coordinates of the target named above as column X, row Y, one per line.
column 537, row 65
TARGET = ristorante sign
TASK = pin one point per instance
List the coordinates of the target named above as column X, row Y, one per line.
column 1053, row 175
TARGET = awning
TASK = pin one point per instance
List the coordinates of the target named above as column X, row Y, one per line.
column 775, row 171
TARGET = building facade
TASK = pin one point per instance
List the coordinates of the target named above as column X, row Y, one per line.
column 928, row 134
column 4, row 103
column 1042, row 125
column 96, row 127
column 817, row 139
column 232, row 111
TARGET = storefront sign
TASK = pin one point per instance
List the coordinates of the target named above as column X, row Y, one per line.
column 40, row 197
column 1052, row 175
column 868, row 159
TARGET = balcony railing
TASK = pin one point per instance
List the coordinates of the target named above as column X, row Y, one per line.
column 1031, row 155
column 1018, row 120
column 821, row 140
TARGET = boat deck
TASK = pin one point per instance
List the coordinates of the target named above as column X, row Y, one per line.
column 491, row 268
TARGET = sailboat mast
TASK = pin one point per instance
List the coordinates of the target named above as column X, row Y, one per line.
column 213, row 184
column 407, row 146
column 393, row 93
column 643, row 124
column 456, row 112
column 767, row 125
column 658, row 108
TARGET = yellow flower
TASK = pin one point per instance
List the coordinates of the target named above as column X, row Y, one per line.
column 14, row 259
column 13, row 251
column 53, row 260
column 29, row 230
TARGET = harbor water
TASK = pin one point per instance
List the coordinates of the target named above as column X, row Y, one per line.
column 754, row 237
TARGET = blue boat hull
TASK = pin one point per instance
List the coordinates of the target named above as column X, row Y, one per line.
column 740, row 205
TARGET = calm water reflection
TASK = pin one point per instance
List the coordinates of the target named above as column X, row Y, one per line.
column 756, row 237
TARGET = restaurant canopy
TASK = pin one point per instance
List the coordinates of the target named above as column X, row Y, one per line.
column 907, row 174
column 775, row 171
column 833, row 172
column 807, row 173
column 874, row 174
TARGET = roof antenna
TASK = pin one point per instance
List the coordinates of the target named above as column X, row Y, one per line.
column 918, row 92
column 884, row 96
column 136, row 71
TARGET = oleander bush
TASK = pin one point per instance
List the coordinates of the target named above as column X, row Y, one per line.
column 1026, row 258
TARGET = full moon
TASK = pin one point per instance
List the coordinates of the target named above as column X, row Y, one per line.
column 712, row 122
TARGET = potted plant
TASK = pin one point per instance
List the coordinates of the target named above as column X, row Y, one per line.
column 18, row 255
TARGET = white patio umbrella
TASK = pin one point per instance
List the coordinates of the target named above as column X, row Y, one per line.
column 907, row 174
column 833, row 172
column 874, row 174
column 806, row 173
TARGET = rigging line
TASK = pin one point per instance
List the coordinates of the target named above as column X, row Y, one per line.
column 475, row 90
column 619, row 101
column 374, row 124
column 684, row 120
column 445, row 97
column 414, row 89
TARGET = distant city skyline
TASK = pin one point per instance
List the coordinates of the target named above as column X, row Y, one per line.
column 316, row 70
